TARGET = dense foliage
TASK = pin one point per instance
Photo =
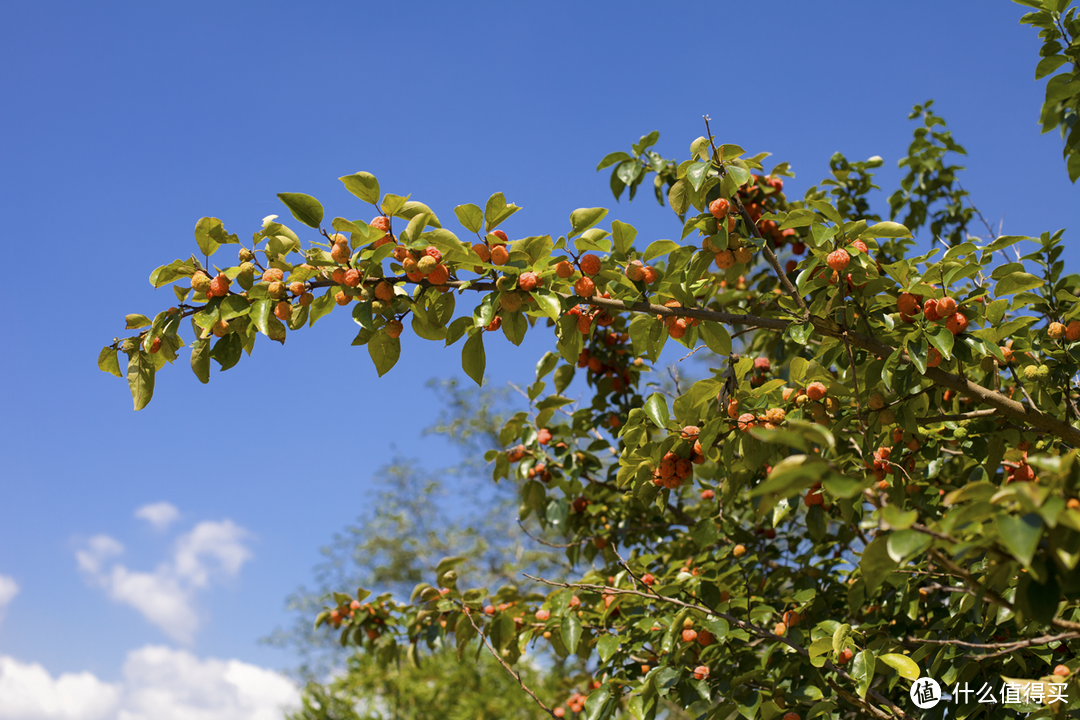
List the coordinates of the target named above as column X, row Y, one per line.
column 875, row 481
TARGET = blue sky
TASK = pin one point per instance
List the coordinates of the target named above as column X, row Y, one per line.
column 125, row 123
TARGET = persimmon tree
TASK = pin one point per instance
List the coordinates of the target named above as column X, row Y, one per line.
column 876, row 479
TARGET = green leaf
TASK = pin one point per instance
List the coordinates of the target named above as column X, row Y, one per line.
column 470, row 216
column 1016, row 282
column 200, row 360
column 108, row 361
column 228, row 350
column 697, row 172
column 942, row 339
column 497, row 210
column 612, row 158
column 901, row 664
column 902, row 544
column 209, row 235
column 140, row 376
column 1020, row 535
column 473, row 359
column 584, row 218
column 233, row 306
column 304, row 208
column 876, row 564
column 1048, row 65
column 840, row 637
column 716, row 337
column 657, row 410
column 887, row 229
column 135, row 321
column 862, row 670
column 623, row 235
column 384, row 351
column 660, row 247
column 607, row 645
column 571, row 632
column 392, row 205
column 363, row 185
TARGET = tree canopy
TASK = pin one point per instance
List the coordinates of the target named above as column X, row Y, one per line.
column 874, row 482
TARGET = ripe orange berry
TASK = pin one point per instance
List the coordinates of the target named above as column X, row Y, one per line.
column 590, row 264
column 528, row 281
column 1055, row 330
column 1062, row 671
column 648, row 579
column 542, row 615
column 584, row 287
column 297, row 288
column 543, row 436
column 219, row 286
column 933, row 358
column 340, row 253
column 394, row 328
column 791, row 716
column 384, row 291
column 352, row 278
column 743, row 255
column 483, row 251
column 946, row 307
column 845, row 656
column 439, row 275
column 559, row 712
column 501, row 235
column 861, row 247
column 689, row 635
column 719, row 208
column 701, row 672
column 708, row 494
column 907, row 304
column 155, row 345
column 650, row 275
column 816, row 390
column 957, row 323
column 838, row 259
column 1072, row 331
column 635, row 271
column 380, row 222
column 283, row 311
column 499, row 255
column 564, row 269
column 341, row 298
column 724, row 259
column 221, row 327
column 273, row 274
column 738, row 551
column 780, row 629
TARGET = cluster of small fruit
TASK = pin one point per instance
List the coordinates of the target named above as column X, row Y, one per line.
column 372, row 618
column 677, row 465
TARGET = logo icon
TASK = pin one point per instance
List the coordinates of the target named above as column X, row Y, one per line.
column 925, row 693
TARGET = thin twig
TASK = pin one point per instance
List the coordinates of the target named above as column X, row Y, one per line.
column 502, row 662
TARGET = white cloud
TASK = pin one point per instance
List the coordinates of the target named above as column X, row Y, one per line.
column 8, row 590
column 28, row 692
column 158, row 683
column 166, row 596
column 160, row 515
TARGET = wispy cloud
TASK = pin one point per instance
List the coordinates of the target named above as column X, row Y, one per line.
column 158, row 683
column 166, row 595
column 161, row 515
column 8, row 590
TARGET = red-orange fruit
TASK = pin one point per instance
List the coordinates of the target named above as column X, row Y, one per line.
column 838, row 259
column 352, row 278
column 946, row 307
column 816, row 390
column 297, row 288
column 439, row 275
column 930, row 310
column 155, row 345
column 650, row 275
column 564, row 269
column 708, row 494
column 283, row 311
column 719, row 208
column 584, row 287
column 273, row 274
column 543, row 436
column 340, row 252
column 483, row 251
column 689, row 635
column 1072, row 331
column 219, row 286
column 501, row 235
column 528, row 281
column 907, row 304
column 306, row 299
column 394, row 328
column 495, row 324
column 724, row 259
column 635, row 271
column 701, row 672
column 341, row 298
column 380, row 222
column 384, row 291
column 957, row 323
column 434, row 253
column 338, row 276
column 590, row 264
column 499, row 255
